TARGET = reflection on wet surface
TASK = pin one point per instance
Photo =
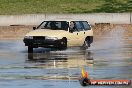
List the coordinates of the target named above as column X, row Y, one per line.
column 109, row 57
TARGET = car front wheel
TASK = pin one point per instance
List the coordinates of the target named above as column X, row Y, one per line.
column 63, row 44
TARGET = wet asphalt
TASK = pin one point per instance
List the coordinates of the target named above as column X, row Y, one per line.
column 109, row 57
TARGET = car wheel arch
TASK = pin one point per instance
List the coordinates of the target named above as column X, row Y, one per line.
column 89, row 38
column 64, row 38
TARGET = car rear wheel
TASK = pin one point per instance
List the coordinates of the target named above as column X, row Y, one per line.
column 85, row 45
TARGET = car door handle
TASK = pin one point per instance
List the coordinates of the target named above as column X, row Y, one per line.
column 84, row 32
column 77, row 33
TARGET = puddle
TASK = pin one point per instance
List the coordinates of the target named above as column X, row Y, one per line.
column 108, row 58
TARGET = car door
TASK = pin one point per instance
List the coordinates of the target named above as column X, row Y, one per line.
column 88, row 31
column 76, row 37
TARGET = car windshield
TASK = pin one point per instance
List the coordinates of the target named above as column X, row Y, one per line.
column 54, row 25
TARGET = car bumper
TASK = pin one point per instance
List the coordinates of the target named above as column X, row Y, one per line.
column 42, row 43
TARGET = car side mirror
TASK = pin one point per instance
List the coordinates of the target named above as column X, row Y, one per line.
column 34, row 28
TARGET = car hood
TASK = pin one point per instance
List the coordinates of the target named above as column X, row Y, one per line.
column 46, row 32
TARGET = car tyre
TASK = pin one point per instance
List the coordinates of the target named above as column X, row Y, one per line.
column 63, row 44
column 85, row 45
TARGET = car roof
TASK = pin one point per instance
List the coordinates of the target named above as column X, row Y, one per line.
column 66, row 20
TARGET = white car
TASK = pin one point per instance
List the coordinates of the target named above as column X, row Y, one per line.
column 60, row 35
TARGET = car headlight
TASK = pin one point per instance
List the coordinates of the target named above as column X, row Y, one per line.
column 52, row 38
column 28, row 37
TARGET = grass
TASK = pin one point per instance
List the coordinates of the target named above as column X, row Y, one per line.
column 10, row 7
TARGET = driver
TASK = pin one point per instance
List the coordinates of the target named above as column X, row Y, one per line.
column 72, row 26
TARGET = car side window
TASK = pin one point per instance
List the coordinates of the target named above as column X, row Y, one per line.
column 86, row 26
column 79, row 26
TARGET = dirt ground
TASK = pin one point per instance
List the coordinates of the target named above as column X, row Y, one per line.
column 14, row 32
column 18, row 32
